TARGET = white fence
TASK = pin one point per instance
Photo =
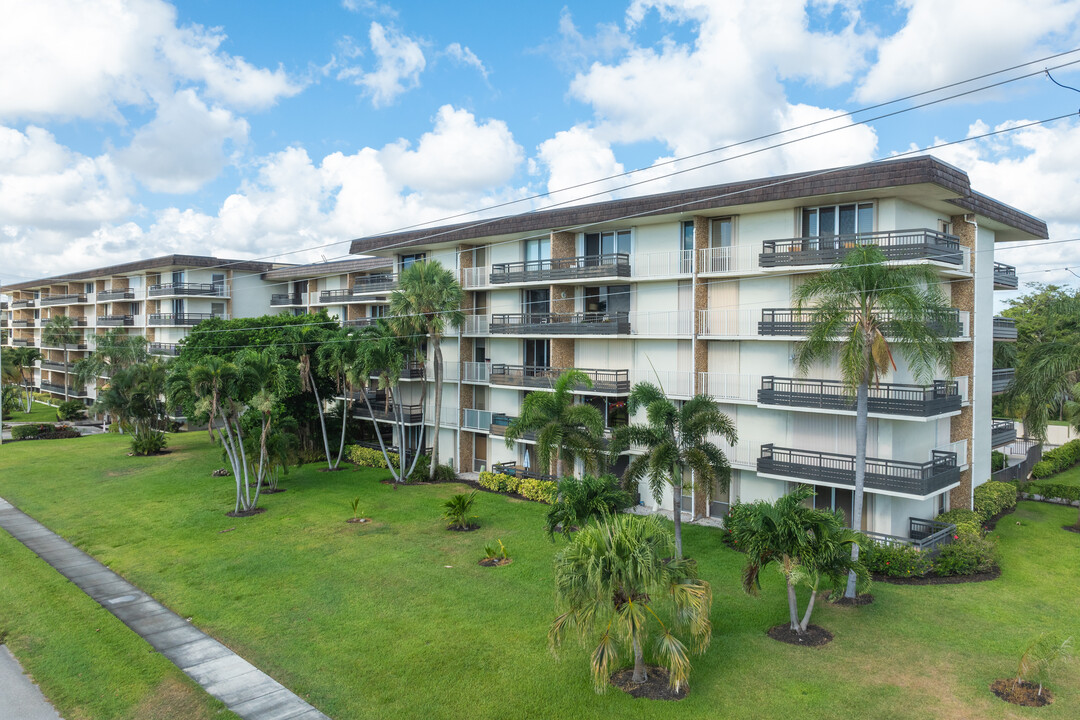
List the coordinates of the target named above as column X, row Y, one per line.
column 729, row 322
column 730, row 387
column 662, row 323
column 736, row 259
column 662, row 264
column 675, row 383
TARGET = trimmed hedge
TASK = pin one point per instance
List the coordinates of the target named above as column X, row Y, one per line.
column 1051, row 490
column 368, row 457
column 544, row 491
column 968, row 554
column 998, row 460
column 22, row 432
column 967, row 522
column 993, row 498
column 1057, row 460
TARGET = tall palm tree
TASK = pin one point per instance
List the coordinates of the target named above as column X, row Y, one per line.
column 23, row 358
column 336, row 357
column 865, row 312
column 113, row 351
column 200, row 383
column 565, row 431
column 675, row 438
column 61, row 330
column 306, row 339
column 615, row 577
column 1042, row 381
column 427, row 302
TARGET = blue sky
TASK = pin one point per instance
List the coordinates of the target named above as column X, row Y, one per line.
column 139, row 127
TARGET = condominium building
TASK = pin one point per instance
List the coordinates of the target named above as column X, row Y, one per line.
column 161, row 299
column 693, row 290
column 354, row 291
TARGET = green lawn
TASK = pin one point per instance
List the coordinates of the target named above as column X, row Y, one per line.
column 1067, row 477
column 367, row 621
column 40, row 412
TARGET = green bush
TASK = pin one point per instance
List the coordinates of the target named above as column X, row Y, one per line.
column 1057, row 460
column 71, row 410
column 737, row 514
column 998, row 461
column 443, row 473
column 993, row 498
column 148, row 442
column 498, row 482
column 967, row 555
column 1042, row 469
column 1052, row 490
column 43, row 397
column 544, row 491
column 967, row 522
column 585, row 498
column 22, row 432
column 894, row 560
column 368, row 457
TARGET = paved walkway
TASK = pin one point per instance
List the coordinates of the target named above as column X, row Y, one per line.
column 19, row 696
column 246, row 690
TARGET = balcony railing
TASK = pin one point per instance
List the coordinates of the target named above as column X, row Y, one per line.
column 662, row 264
column 382, row 282
column 661, row 323
column 571, row 268
column 339, row 296
column 922, row 534
column 109, row 295
column 892, row 476
column 23, row 342
column 284, row 299
column 585, row 323
column 156, row 348
column 183, row 318
column 789, row 322
column 1004, row 328
column 22, row 323
column 1002, row 432
column 674, row 383
column 59, row 389
column 510, row 468
column 1002, row 378
column 17, row 304
column 115, row 320
column 895, row 245
column 63, row 299
column 885, row 398
column 536, row 376
column 410, row 414
column 1005, row 277
column 55, row 366
column 477, row 420
column 476, row 372
column 166, row 289
column 361, row 322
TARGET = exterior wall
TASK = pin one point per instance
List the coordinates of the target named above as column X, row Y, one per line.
column 962, row 426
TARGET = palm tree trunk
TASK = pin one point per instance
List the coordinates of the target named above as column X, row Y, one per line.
column 436, row 354
column 676, row 504
column 378, row 435
column 640, row 675
column 793, row 607
column 65, row 375
column 322, row 418
column 345, row 405
column 809, row 609
column 861, row 411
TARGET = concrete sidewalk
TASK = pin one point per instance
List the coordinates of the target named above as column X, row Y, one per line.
column 19, row 696
column 246, row 690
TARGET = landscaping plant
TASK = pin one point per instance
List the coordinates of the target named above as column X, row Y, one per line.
column 496, row 552
column 71, row 410
column 456, row 510
column 581, row 500
column 618, row 578
column 1040, row 657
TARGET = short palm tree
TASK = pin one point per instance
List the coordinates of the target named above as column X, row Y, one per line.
column 61, row 330
column 584, row 499
column 427, row 302
column 114, row 350
column 565, row 431
column 672, row 439
column 337, row 356
column 864, row 312
column 615, row 578
column 23, row 359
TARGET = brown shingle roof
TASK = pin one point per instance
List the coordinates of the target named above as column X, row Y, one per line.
column 149, row 264
column 328, row 268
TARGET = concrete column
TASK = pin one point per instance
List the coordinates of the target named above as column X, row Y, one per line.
column 962, row 426
column 563, row 244
column 701, row 347
column 465, row 354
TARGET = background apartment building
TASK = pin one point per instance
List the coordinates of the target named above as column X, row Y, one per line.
column 693, row 289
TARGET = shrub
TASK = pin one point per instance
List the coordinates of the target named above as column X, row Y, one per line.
column 738, row 512
column 148, row 442
column 967, row 522
column 998, row 461
column 456, row 510
column 43, row 398
column 443, row 473
column 71, row 410
column 544, row 491
column 582, row 499
column 368, row 457
column 968, row 555
column 498, row 482
column 114, row 427
column 1052, row 490
column 894, row 560
column 22, row 432
column 993, row 498
column 1057, row 460
column 1042, row 469
column 495, row 552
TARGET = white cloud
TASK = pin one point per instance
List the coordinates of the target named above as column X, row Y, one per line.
column 943, row 42
column 573, row 50
column 369, row 6
column 577, row 156
column 399, row 60
column 465, row 56
column 182, row 148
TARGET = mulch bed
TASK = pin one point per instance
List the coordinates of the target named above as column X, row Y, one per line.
column 654, row 688
column 1071, row 528
column 1022, row 693
column 246, row 513
column 495, row 562
column 815, row 635
column 358, row 520
column 857, row 601
column 468, row 528
column 935, row 580
column 992, row 522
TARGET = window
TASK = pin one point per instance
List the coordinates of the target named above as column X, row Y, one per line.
column 177, row 277
column 721, row 498
column 723, row 231
column 135, row 308
column 607, row 243
column 88, row 288
column 537, row 249
column 407, row 260
column 218, row 281
column 607, row 299
column 217, row 309
column 537, row 353
column 379, row 311
column 536, row 301
column 613, row 410
column 944, row 226
column 838, row 220
column 480, row 350
column 178, row 306
column 686, row 262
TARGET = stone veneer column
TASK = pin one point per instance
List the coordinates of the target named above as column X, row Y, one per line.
column 961, row 426
column 466, row 439
column 563, row 245
column 701, row 347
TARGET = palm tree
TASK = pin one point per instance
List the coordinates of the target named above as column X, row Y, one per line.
column 810, row 547
column 615, row 577
column 61, row 330
column 336, row 358
column 199, row 383
column 675, row 438
column 306, row 338
column 865, row 311
column 23, row 359
column 427, row 302
column 565, row 431
column 113, row 351
column 582, row 500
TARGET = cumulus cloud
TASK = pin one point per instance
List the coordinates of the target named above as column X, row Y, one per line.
column 399, row 60
column 465, row 56
column 577, row 156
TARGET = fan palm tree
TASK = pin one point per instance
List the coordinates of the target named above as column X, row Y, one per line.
column 565, row 431
column 613, row 577
column 675, row 438
column 61, row 330
column 23, row 359
column 427, row 302
column 336, row 357
column 865, row 312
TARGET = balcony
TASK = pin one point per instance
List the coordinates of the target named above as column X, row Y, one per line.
column 3, row 322
column 1005, row 277
column 286, row 300
column 1001, row 380
column 19, row 304
column 116, row 320
column 650, row 265
column 477, row 420
column 585, row 323
column 188, row 289
column 380, row 283
column 23, row 342
column 55, row 366
column 110, row 295
column 558, row 269
column 1004, row 329
column 789, row 322
column 922, row 535
column 1002, row 432
column 609, row 382
column 156, row 348
column 72, row 299
column 22, row 323
column 381, row 410
column 329, row 297
column 183, row 318
column 509, row 468
column 896, row 245
column 884, row 399
column 892, row 477
column 361, row 322
column 476, row 372
column 59, row 389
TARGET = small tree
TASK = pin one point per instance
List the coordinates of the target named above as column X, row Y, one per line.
column 585, row 499
column 23, row 359
column 1039, row 658
column 613, row 577
column 60, row 330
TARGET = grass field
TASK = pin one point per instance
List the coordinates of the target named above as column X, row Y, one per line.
column 1067, row 477
column 40, row 412
column 394, row 619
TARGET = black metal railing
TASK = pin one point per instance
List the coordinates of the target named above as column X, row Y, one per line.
column 125, row 294
column 22, row 342
column 510, row 468
column 59, row 388
column 570, row 268
column 1001, row 380
column 1032, row 450
column 333, row 296
column 603, row 381
column 792, row 322
column 501, row 421
column 17, row 304
column 1005, row 277
column 583, row 323
column 830, row 249
column 942, row 396
column 115, row 320
column 909, row 478
column 381, row 410
column 54, row 366
column 63, row 299
column 78, row 321
column 278, row 299
column 1004, row 328
column 180, row 318
column 381, row 282
column 186, row 288
column 1002, row 432
column 156, row 348
column 22, row 323
column 925, row 535
column 360, row 322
